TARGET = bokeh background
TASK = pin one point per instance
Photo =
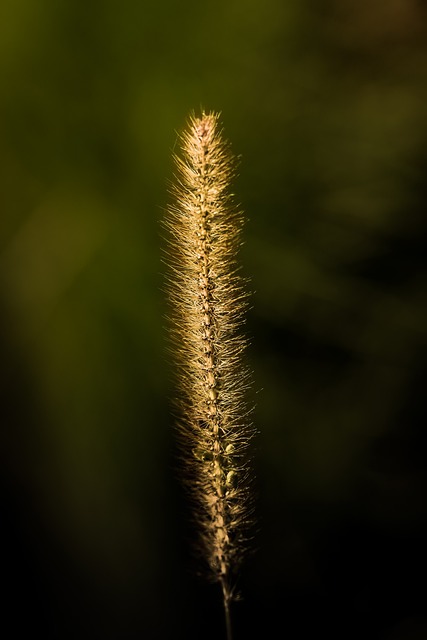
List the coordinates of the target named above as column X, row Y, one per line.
column 326, row 103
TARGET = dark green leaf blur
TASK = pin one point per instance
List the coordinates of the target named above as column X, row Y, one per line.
column 325, row 102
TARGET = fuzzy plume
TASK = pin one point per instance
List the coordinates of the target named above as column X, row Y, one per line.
column 209, row 302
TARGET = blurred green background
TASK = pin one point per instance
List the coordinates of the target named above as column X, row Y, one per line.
column 326, row 103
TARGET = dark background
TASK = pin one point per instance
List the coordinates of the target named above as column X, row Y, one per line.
column 326, row 103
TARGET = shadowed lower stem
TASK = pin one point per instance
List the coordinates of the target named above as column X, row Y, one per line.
column 227, row 612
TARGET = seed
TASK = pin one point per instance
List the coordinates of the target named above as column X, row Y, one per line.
column 230, row 479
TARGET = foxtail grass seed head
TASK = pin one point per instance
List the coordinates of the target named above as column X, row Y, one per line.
column 208, row 305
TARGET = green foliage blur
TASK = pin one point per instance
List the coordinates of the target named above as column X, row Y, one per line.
column 326, row 104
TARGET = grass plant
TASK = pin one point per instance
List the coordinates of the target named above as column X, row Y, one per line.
column 209, row 301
